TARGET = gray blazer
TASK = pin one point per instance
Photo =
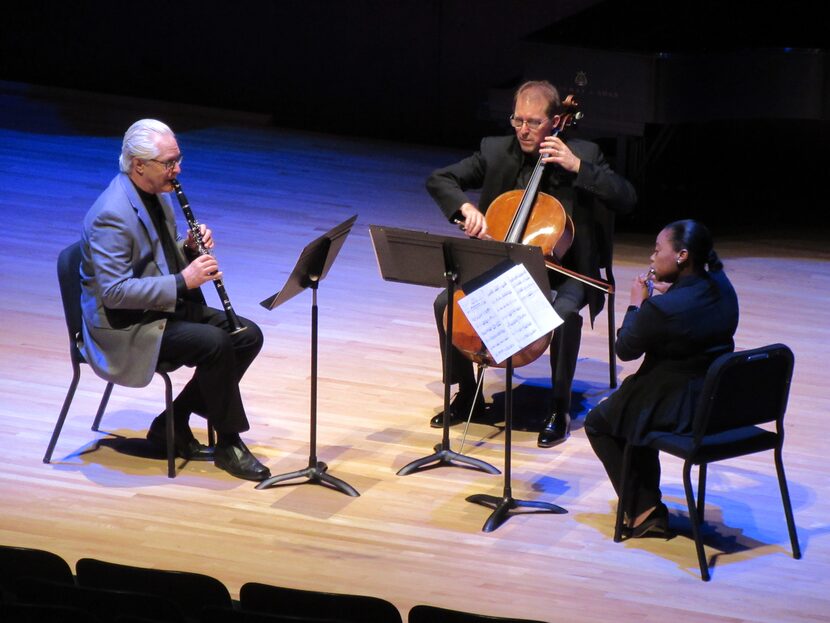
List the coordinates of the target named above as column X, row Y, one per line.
column 126, row 288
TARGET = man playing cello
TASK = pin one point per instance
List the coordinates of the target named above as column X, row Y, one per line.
column 578, row 176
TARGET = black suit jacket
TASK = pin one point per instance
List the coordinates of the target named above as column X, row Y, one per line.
column 680, row 333
column 590, row 197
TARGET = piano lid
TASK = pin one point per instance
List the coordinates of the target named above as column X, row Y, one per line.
column 630, row 64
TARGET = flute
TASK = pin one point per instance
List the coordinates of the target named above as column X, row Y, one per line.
column 234, row 324
column 650, row 281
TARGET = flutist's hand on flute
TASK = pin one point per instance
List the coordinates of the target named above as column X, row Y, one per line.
column 644, row 286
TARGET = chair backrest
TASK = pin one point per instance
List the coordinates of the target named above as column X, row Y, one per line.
column 69, row 280
column 24, row 562
column 745, row 388
column 45, row 614
column 237, row 615
column 103, row 603
column 295, row 602
column 191, row 592
column 433, row 614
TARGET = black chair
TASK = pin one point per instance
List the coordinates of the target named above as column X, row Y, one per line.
column 238, row 615
column 104, row 604
column 741, row 391
column 69, row 279
column 191, row 592
column 612, row 330
column 24, row 562
column 432, row 614
column 39, row 613
column 300, row 603
column 605, row 220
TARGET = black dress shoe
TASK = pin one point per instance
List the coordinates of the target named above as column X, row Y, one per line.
column 459, row 410
column 557, row 429
column 186, row 445
column 655, row 525
column 238, row 461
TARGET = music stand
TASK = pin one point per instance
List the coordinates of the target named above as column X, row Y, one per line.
column 311, row 268
column 503, row 505
column 421, row 258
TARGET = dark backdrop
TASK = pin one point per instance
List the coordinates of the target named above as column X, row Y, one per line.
column 713, row 115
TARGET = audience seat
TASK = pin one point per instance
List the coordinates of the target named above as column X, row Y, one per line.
column 337, row 606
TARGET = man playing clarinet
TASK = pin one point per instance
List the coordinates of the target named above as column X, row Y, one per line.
column 141, row 303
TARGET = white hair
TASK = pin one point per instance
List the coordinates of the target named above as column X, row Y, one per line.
column 140, row 141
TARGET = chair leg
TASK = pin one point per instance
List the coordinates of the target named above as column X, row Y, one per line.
column 785, row 498
column 612, row 350
column 695, row 521
column 70, row 394
column 168, row 411
column 623, row 494
column 96, row 423
column 701, row 492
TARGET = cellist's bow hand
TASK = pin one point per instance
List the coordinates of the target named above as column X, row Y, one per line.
column 472, row 221
column 554, row 150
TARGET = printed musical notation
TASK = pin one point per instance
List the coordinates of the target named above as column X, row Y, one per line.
column 509, row 313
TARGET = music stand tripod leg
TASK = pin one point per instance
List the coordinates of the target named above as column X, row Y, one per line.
column 443, row 455
column 506, row 503
column 316, row 470
column 312, row 473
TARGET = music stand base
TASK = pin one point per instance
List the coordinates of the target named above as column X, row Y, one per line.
column 445, row 457
column 503, row 506
column 315, row 474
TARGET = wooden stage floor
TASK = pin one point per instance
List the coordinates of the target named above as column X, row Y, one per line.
column 414, row 539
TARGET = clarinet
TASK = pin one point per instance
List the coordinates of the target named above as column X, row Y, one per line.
column 234, row 325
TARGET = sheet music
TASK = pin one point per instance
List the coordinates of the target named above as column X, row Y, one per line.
column 509, row 313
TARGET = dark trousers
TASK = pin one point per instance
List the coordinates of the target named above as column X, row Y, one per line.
column 643, row 487
column 564, row 350
column 197, row 337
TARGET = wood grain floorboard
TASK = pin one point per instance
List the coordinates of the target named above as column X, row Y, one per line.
column 267, row 192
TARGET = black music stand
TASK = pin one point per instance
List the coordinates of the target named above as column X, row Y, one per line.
column 416, row 257
column 503, row 505
column 312, row 266
column 506, row 503
column 426, row 259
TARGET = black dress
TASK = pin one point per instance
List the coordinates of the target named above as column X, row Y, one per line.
column 680, row 332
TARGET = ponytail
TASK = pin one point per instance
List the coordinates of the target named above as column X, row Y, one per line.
column 713, row 262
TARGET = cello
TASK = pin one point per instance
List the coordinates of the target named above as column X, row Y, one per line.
column 526, row 217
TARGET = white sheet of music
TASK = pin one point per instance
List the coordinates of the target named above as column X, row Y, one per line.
column 509, row 312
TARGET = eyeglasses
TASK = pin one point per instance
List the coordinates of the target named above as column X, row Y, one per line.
column 533, row 124
column 168, row 165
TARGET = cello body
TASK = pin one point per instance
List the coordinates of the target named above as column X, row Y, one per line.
column 524, row 217
column 548, row 225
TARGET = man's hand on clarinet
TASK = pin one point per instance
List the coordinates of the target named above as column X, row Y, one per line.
column 201, row 270
column 207, row 239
